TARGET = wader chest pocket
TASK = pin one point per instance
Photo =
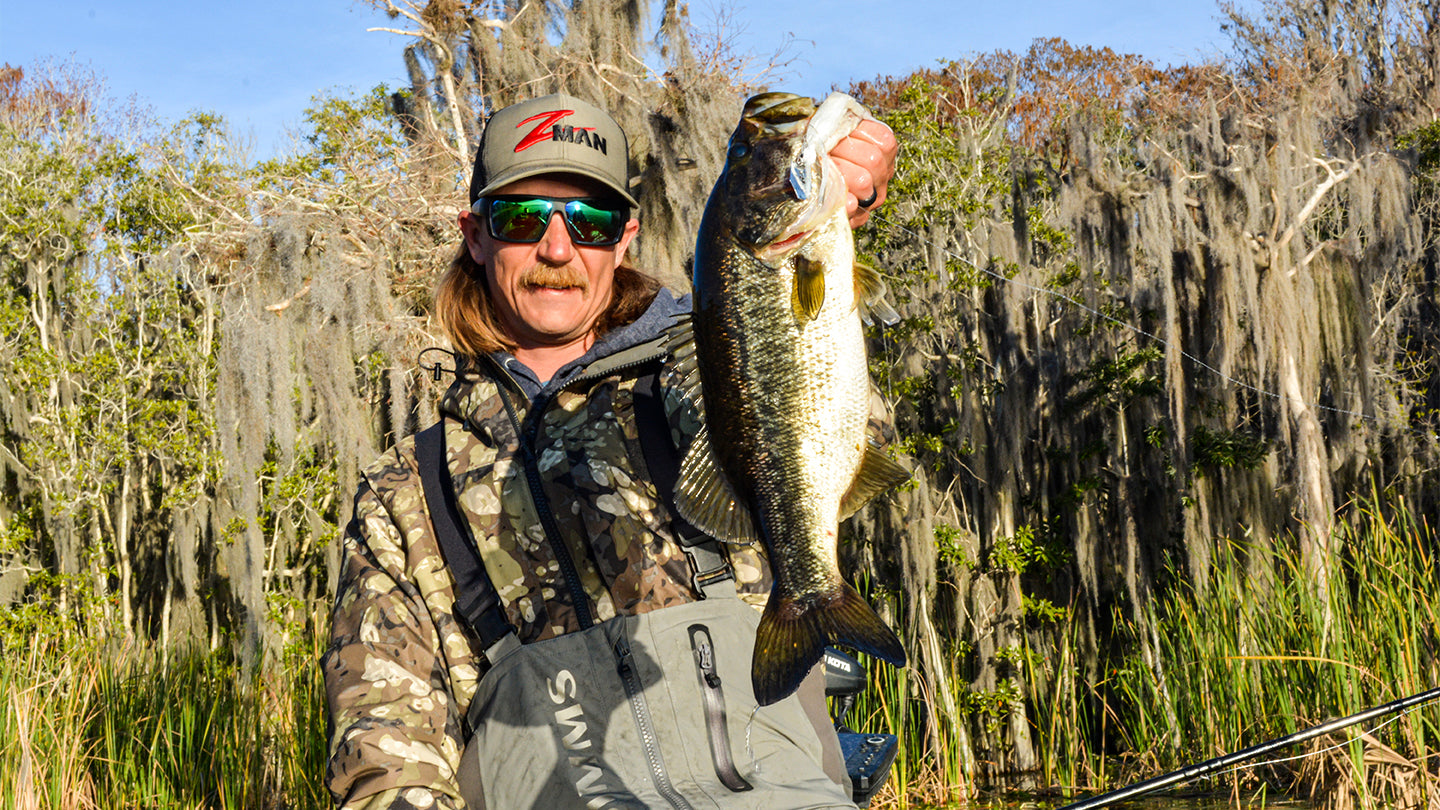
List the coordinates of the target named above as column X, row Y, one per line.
column 715, row 725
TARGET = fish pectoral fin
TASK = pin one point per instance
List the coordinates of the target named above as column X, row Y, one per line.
column 809, row 288
column 705, row 497
column 878, row 473
column 871, row 292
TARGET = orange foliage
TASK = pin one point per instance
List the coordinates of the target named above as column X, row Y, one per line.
column 1054, row 82
column 35, row 104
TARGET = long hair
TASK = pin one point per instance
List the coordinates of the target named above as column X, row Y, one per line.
column 466, row 313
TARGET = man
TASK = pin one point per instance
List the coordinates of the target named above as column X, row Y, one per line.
column 554, row 335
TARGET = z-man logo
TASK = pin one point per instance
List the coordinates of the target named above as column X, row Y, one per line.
column 549, row 130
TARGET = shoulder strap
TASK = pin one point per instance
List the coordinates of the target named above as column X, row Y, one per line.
column 662, row 457
column 476, row 600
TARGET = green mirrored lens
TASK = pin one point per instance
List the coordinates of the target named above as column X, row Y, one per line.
column 520, row 220
column 593, row 226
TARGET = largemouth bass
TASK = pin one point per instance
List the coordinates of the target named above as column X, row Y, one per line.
column 780, row 352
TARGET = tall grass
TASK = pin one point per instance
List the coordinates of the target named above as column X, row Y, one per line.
column 1265, row 650
column 47, row 701
column 85, row 726
column 930, row 767
column 1260, row 652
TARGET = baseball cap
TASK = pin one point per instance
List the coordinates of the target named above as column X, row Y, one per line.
column 555, row 133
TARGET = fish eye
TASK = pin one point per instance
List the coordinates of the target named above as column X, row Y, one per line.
column 739, row 150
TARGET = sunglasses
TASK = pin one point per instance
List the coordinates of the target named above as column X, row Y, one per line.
column 523, row 218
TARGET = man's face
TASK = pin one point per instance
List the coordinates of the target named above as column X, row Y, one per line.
column 551, row 292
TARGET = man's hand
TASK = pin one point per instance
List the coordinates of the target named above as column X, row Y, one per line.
column 867, row 160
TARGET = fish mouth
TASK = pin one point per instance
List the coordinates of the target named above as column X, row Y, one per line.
column 777, row 114
column 791, row 241
column 809, row 218
column 812, row 187
column 783, row 246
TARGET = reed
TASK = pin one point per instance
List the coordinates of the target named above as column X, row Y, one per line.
column 923, row 775
column 1259, row 652
column 46, row 700
column 931, row 768
column 86, row 725
column 1263, row 651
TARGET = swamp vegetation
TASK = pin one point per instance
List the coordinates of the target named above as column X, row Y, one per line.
column 1169, row 375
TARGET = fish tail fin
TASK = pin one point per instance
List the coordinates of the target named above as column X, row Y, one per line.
column 852, row 622
column 792, row 638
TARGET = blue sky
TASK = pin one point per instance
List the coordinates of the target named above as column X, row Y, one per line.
column 259, row 62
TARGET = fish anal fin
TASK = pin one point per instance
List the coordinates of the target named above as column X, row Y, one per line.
column 706, row 499
column 878, row 473
column 809, row 288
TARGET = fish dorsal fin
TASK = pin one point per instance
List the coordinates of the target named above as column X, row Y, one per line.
column 870, row 291
column 706, row 499
column 878, row 473
column 809, row 288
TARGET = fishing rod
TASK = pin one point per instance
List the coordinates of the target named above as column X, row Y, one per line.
column 1219, row 763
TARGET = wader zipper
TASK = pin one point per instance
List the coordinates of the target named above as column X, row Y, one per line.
column 715, row 710
column 527, row 435
column 626, row 668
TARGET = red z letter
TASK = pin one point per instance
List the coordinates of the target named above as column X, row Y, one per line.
column 541, row 132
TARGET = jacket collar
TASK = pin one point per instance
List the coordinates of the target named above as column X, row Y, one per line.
column 620, row 347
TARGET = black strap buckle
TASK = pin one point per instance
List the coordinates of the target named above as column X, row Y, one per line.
column 703, row 580
column 708, row 566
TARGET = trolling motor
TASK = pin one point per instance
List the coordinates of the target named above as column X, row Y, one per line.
column 868, row 757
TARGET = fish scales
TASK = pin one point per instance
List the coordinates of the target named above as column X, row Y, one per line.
column 780, row 350
column 795, row 421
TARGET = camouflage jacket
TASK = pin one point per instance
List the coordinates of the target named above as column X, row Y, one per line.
column 401, row 668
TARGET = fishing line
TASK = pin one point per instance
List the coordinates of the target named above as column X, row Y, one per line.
column 1137, row 330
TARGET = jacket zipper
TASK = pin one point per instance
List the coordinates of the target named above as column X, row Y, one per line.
column 651, row 744
column 527, row 435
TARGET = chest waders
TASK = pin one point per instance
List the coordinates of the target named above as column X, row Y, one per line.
column 646, row 711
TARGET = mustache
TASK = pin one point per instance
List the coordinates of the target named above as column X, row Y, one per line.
column 555, row 277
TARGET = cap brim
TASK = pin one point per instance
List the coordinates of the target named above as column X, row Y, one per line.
column 505, row 178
